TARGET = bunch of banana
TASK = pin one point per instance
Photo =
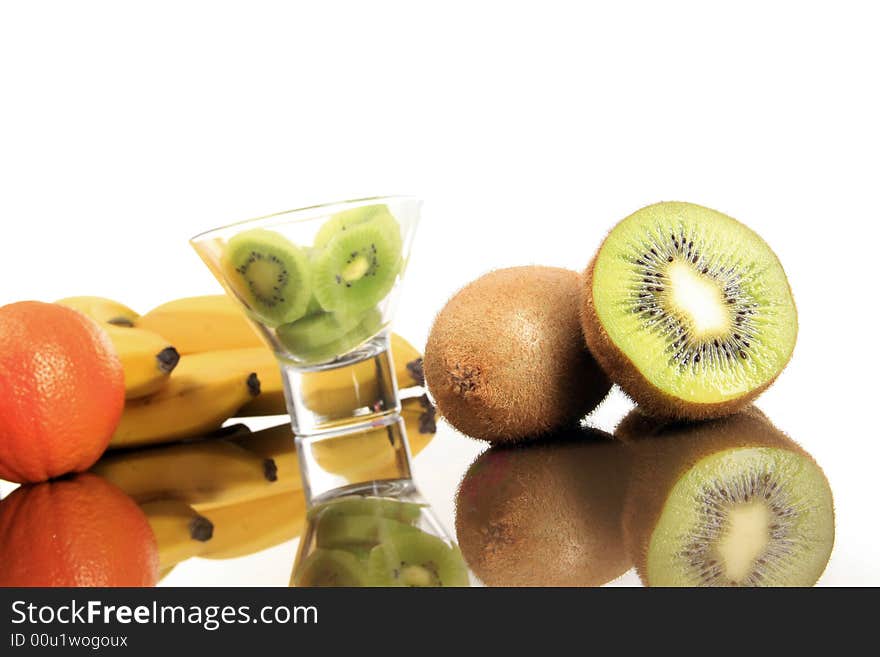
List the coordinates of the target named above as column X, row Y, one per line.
column 246, row 485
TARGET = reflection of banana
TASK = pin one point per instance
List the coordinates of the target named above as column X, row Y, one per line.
column 147, row 359
column 200, row 395
column 104, row 311
column 331, row 391
column 181, row 532
column 198, row 324
column 249, row 527
column 163, row 573
column 350, row 456
column 210, row 471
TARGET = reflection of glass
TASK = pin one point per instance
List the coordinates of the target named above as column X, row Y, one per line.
column 320, row 284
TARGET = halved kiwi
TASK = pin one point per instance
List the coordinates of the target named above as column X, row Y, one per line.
column 358, row 266
column 546, row 513
column 345, row 531
column 688, row 310
column 416, row 559
column 271, row 275
column 731, row 502
column 331, row 568
column 506, row 361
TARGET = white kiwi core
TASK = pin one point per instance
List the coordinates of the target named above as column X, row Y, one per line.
column 744, row 539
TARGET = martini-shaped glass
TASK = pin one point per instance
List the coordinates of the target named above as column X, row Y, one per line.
column 320, row 284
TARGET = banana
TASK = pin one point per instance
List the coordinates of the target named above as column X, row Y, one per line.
column 201, row 394
column 198, row 324
column 147, row 359
column 248, row 527
column 181, row 532
column 163, row 573
column 104, row 311
column 209, row 471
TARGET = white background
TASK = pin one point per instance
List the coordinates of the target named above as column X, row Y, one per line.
column 528, row 128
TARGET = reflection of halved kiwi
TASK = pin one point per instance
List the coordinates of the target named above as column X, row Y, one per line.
column 732, row 502
column 307, row 343
column 331, row 568
column 506, row 359
column 546, row 513
column 357, row 268
column 689, row 311
column 345, row 220
column 416, row 559
column 269, row 274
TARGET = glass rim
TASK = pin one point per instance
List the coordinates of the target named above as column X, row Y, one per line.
column 255, row 221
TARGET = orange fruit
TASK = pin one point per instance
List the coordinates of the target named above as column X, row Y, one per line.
column 77, row 531
column 62, row 389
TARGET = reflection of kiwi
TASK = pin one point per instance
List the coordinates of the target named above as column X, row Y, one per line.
column 331, row 568
column 357, row 268
column 269, row 274
column 368, row 506
column 416, row 559
column 689, row 311
column 368, row 325
column 506, row 360
column 547, row 513
column 345, row 220
column 732, row 502
column 343, row 531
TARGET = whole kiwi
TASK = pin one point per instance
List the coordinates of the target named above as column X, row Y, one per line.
column 546, row 513
column 730, row 502
column 506, row 359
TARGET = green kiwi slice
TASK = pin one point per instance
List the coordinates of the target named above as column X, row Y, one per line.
column 689, row 311
column 331, row 568
column 416, row 559
column 407, row 512
column 271, row 275
column 358, row 266
column 345, row 531
column 321, row 338
column 343, row 221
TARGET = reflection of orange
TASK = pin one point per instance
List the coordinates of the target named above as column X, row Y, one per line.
column 62, row 390
column 80, row 531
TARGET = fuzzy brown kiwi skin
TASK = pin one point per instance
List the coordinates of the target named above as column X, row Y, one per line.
column 505, row 360
column 625, row 374
column 662, row 452
column 546, row 514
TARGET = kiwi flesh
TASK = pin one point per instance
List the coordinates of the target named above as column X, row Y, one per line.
column 330, row 568
column 341, row 531
column 506, row 361
column 399, row 510
column 271, row 275
column 688, row 311
column 357, row 267
column 308, row 345
column 416, row 559
column 546, row 513
column 345, row 220
column 730, row 502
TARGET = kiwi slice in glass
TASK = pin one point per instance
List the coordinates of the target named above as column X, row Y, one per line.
column 416, row 559
column 688, row 310
column 731, row 502
column 408, row 512
column 325, row 336
column 331, row 568
column 345, row 220
column 358, row 266
column 270, row 274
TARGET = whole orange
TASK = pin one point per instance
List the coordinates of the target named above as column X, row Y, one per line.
column 76, row 531
column 62, row 389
